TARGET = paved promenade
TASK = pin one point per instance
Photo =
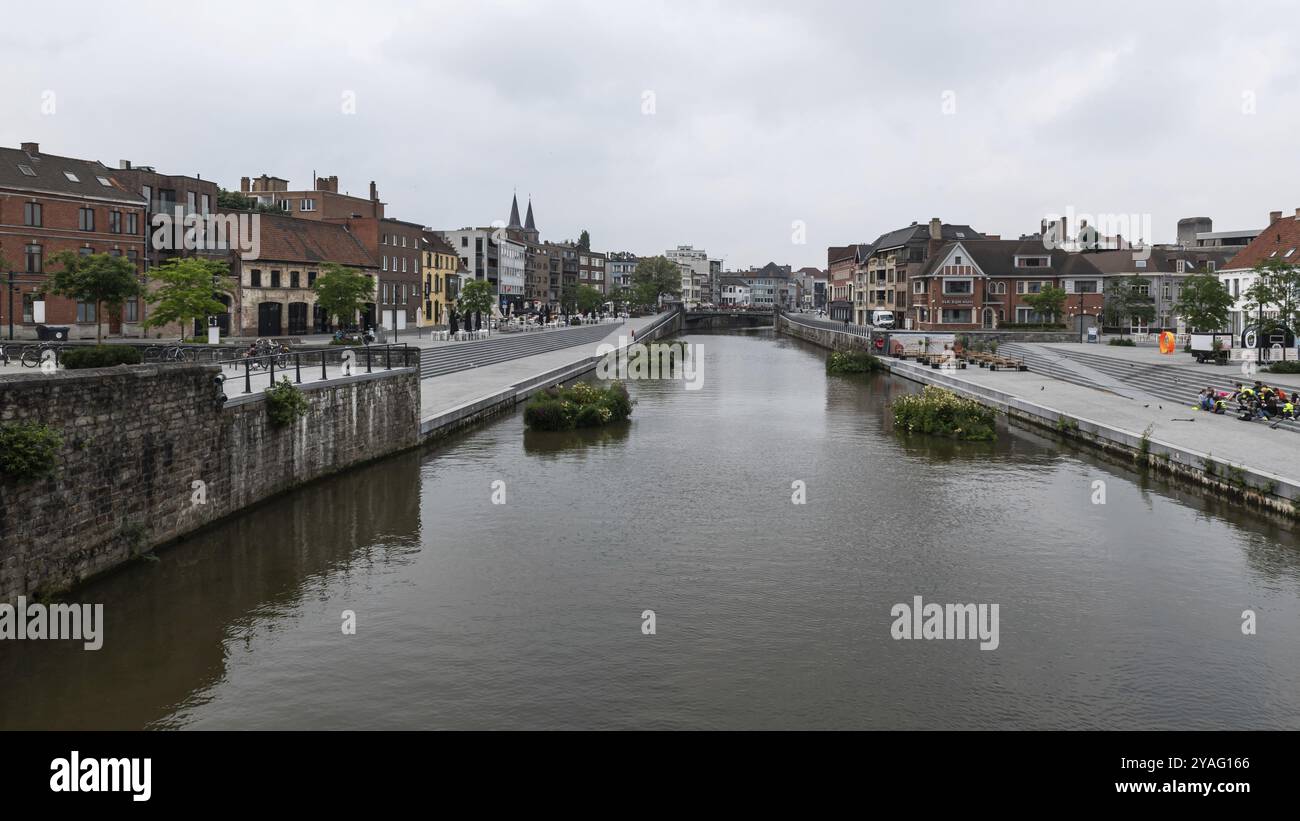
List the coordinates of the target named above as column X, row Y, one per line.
column 1225, row 438
column 442, row 393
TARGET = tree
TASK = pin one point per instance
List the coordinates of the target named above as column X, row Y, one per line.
column 341, row 292
column 1049, row 301
column 99, row 278
column 187, row 291
column 584, row 241
column 655, row 277
column 1203, row 302
column 568, row 297
column 589, row 299
column 1125, row 301
column 621, row 296
column 476, row 297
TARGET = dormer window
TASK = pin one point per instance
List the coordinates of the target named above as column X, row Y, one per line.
column 71, row 176
column 26, row 169
column 104, row 182
column 1032, row 262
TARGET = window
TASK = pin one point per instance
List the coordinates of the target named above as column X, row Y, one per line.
column 307, row 205
column 403, row 264
column 311, row 278
column 115, row 222
column 956, row 260
column 285, row 206
column 131, row 310
column 1032, row 262
column 1289, row 252
column 29, row 306
column 403, row 242
column 383, row 239
column 956, row 315
column 147, row 192
column 33, row 254
column 26, row 169
column 85, row 252
column 1141, row 263
column 255, row 278
column 132, row 256
column 104, row 182
column 32, row 214
column 1165, row 290
column 293, row 279
column 275, row 278
column 1144, row 289
column 464, row 242
column 1180, row 266
column 85, row 311
column 131, row 226
column 1209, row 266
column 86, row 219
column 190, row 205
column 385, row 266
column 71, row 176
column 958, row 286
column 207, row 203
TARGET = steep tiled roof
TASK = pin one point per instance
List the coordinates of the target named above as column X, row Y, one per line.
column 1273, row 243
column 49, row 174
column 997, row 258
column 286, row 239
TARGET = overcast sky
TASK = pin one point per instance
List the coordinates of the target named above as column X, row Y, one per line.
column 853, row 118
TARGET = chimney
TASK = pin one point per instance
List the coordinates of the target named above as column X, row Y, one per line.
column 1274, row 216
column 374, row 192
column 1297, row 213
column 32, row 148
column 936, row 229
column 244, row 184
column 124, row 165
column 1042, row 228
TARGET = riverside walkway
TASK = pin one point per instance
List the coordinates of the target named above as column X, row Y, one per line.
column 1170, row 427
column 449, row 392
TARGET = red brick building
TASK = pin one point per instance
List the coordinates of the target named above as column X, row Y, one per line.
column 983, row 284
column 50, row 204
column 395, row 244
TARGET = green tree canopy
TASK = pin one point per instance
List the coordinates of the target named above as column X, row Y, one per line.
column 99, row 278
column 1049, row 301
column 476, row 297
column 589, row 299
column 655, row 277
column 584, row 240
column 187, row 291
column 568, row 297
column 1276, row 289
column 342, row 292
column 1203, row 302
column 1125, row 301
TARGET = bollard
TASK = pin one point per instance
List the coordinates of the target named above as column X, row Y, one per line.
column 248, row 376
column 388, row 358
column 367, row 359
column 297, row 365
column 271, row 361
column 322, row 366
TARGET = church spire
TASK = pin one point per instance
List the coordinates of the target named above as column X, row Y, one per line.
column 514, row 212
column 529, row 225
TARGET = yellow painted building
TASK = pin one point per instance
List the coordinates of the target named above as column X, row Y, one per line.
column 440, row 280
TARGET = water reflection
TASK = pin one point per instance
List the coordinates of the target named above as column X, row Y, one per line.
column 543, row 443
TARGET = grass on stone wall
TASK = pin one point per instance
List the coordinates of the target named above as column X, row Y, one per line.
column 28, row 450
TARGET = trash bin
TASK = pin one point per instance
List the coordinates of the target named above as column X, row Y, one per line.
column 52, row 333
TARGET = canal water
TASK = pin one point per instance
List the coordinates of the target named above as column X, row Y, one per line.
column 768, row 614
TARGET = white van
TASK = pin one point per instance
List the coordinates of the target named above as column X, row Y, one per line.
column 882, row 319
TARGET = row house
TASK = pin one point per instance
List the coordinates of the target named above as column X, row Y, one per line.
column 396, row 245
column 320, row 202
column 1279, row 242
column 440, row 269
column 842, row 262
column 51, row 204
column 697, row 273
column 1160, row 273
column 881, row 276
column 592, row 270
column 274, row 292
column 622, row 265
column 171, row 198
column 733, row 291
column 983, row 284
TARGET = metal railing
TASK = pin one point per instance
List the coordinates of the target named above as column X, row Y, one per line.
column 383, row 357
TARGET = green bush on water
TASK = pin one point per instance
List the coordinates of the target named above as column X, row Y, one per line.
column 852, row 362
column 578, row 406
column 940, row 412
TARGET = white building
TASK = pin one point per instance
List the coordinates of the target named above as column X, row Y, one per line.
column 733, row 291
column 697, row 279
column 1280, row 241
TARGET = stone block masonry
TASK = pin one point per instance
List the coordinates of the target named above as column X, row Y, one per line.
column 151, row 453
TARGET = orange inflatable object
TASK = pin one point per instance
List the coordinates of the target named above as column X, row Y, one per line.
column 1166, row 342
